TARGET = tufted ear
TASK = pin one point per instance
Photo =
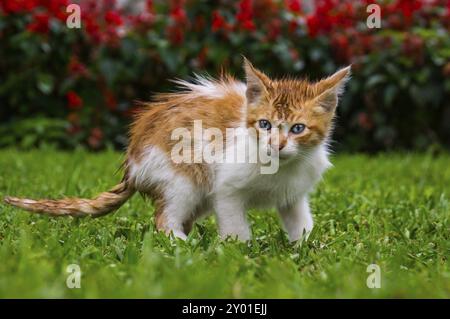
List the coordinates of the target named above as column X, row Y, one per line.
column 329, row 89
column 257, row 83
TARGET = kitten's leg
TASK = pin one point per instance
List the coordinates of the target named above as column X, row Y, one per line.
column 174, row 217
column 167, row 224
column 297, row 219
column 173, row 191
column 231, row 218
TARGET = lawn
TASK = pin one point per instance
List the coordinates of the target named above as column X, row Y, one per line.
column 391, row 210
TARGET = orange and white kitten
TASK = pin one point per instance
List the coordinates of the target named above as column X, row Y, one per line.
column 301, row 112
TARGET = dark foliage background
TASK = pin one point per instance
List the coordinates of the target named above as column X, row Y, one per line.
column 70, row 87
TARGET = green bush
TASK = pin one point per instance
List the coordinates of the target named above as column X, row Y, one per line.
column 68, row 87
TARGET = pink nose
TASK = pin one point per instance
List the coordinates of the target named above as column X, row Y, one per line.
column 282, row 143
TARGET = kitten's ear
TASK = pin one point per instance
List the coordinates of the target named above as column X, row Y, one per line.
column 257, row 82
column 329, row 89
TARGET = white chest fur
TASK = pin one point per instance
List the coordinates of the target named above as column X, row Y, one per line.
column 293, row 179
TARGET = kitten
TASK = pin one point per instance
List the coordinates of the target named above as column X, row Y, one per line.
column 301, row 112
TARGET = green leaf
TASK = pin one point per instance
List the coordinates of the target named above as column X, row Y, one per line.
column 389, row 94
column 374, row 80
column 45, row 83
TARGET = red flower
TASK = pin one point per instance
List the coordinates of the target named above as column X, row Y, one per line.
column 176, row 34
column 412, row 44
column 245, row 10
column 413, row 47
column 322, row 20
column 178, row 14
column 97, row 132
column 293, row 25
column 113, row 18
column 95, row 138
column 73, row 129
column 313, row 24
column 341, row 44
column 149, row 6
column 394, row 21
column 202, row 57
column 408, row 7
column 16, row 6
column 110, row 100
column 245, row 15
column 249, row 25
column 76, row 67
column 74, row 101
column 218, row 22
column 274, row 28
column 340, row 41
column 344, row 15
column 365, row 121
column 40, row 23
column 294, row 54
column 176, row 29
column 57, row 8
column 141, row 21
column 92, row 28
column 294, row 5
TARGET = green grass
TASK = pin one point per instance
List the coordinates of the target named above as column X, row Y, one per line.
column 391, row 210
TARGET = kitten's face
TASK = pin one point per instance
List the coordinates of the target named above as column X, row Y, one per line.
column 295, row 114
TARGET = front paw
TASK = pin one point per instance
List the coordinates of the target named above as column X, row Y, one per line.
column 303, row 231
column 241, row 236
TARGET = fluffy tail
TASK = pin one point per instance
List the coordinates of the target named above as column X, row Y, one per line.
column 101, row 205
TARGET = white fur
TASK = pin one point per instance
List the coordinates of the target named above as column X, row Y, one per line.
column 205, row 86
column 180, row 195
column 237, row 187
column 243, row 187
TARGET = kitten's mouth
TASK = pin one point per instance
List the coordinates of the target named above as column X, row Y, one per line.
column 280, row 154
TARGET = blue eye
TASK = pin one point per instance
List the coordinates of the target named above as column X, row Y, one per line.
column 297, row 128
column 265, row 124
